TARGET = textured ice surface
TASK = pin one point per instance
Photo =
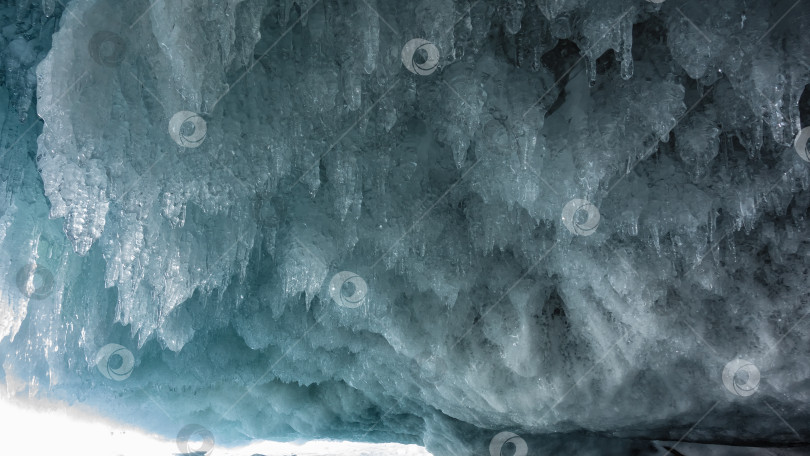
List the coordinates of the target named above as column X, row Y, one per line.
column 558, row 218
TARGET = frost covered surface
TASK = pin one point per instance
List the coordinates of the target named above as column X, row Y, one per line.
column 208, row 252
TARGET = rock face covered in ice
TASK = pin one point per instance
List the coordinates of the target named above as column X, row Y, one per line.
column 427, row 221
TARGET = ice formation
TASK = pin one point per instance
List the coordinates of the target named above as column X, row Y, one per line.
column 580, row 221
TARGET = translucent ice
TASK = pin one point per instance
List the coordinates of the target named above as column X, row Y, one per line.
column 425, row 222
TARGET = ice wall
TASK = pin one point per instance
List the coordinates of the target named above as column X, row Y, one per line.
column 425, row 221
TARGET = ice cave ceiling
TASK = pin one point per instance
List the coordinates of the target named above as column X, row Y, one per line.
column 583, row 222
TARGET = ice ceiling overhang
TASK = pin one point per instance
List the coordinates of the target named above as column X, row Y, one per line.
column 427, row 221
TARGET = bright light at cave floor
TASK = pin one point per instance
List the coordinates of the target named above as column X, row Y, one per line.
column 39, row 427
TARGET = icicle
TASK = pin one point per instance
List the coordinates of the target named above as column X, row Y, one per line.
column 352, row 90
column 371, row 37
column 627, row 50
column 286, row 6
column 590, row 63
column 732, row 250
column 459, row 147
column 512, row 12
column 655, row 239
column 48, row 6
column 561, row 28
column 304, row 5
column 527, row 142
